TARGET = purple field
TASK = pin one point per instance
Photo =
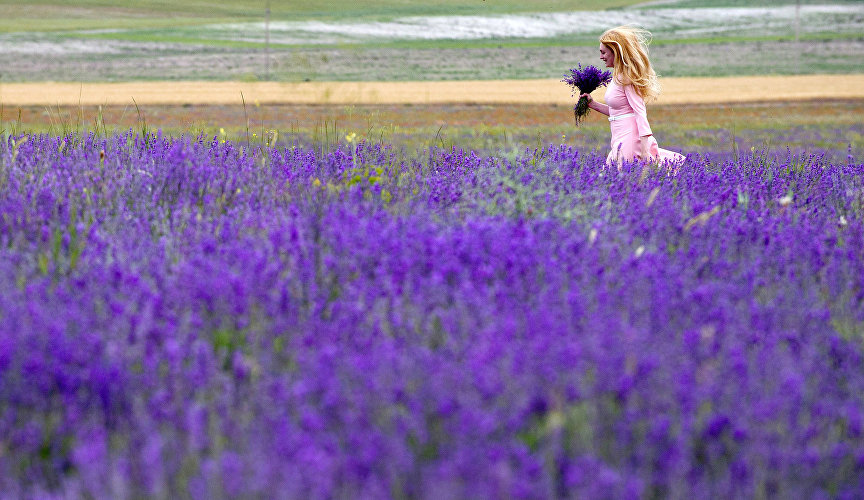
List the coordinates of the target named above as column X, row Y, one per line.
column 186, row 318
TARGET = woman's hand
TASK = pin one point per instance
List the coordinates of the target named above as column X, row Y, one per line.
column 596, row 106
column 590, row 101
column 648, row 145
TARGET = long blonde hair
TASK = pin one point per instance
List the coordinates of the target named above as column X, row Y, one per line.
column 630, row 46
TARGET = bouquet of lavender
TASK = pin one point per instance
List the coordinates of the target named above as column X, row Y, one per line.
column 585, row 81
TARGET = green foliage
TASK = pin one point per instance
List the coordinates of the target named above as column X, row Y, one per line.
column 750, row 3
column 52, row 15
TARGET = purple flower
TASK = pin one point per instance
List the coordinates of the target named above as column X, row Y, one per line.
column 584, row 81
column 194, row 319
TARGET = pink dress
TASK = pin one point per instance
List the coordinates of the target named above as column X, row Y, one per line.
column 629, row 120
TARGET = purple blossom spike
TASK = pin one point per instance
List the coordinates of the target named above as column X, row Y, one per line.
column 584, row 81
column 194, row 318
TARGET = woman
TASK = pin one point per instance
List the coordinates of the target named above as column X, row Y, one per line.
column 625, row 50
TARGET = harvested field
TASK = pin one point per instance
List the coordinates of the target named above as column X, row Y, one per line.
column 771, row 114
column 676, row 91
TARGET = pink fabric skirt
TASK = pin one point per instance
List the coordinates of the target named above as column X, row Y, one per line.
column 626, row 145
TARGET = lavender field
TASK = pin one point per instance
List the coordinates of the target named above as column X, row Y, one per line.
column 199, row 318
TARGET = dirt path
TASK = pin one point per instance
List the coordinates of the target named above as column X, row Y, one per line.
column 675, row 91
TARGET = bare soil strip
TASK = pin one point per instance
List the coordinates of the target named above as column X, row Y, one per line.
column 675, row 91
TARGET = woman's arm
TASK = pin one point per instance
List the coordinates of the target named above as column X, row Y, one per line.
column 645, row 147
column 638, row 104
column 596, row 106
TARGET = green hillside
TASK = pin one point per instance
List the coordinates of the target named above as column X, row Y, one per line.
column 51, row 15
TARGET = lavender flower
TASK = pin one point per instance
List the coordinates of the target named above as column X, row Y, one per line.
column 584, row 81
column 182, row 318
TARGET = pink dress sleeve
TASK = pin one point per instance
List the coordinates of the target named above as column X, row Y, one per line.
column 638, row 104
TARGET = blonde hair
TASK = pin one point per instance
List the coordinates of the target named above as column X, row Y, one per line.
column 630, row 46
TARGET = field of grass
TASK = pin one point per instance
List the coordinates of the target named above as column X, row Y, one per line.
column 111, row 41
column 683, row 25
column 490, row 62
column 94, row 41
column 51, row 15
column 828, row 126
column 745, row 3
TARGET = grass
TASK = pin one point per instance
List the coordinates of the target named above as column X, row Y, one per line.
column 52, row 15
column 193, row 36
column 750, row 3
column 828, row 125
column 506, row 59
column 182, row 41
